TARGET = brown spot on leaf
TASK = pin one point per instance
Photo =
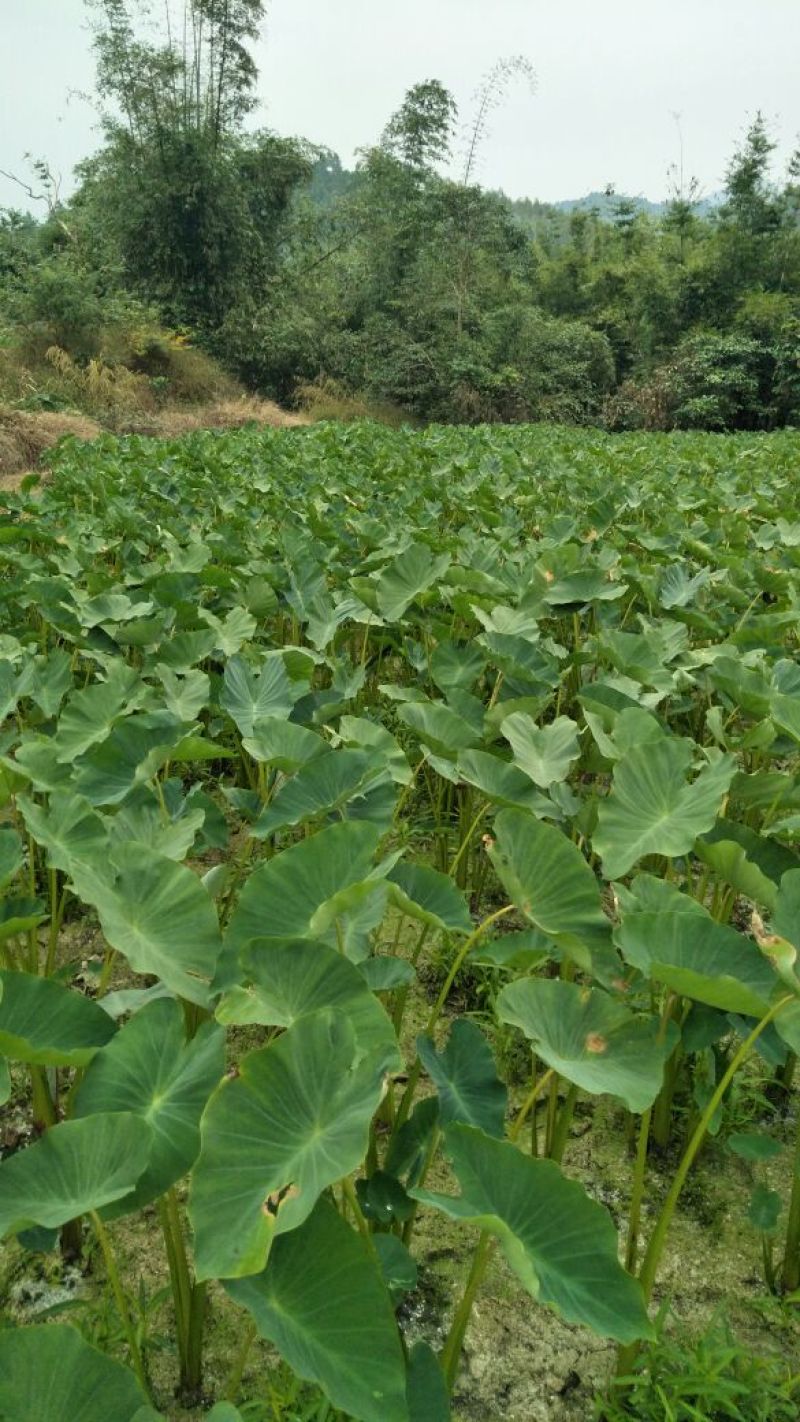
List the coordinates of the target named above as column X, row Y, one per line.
column 274, row 1201
column 596, row 1043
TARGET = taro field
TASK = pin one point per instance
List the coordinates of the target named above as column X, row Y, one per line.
column 400, row 909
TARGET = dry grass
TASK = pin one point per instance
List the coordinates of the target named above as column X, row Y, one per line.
column 26, row 435
column 172, row 422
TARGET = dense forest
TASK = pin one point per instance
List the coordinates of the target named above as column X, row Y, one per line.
column 196, row 244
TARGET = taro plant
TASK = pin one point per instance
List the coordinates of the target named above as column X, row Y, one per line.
column 299, row 729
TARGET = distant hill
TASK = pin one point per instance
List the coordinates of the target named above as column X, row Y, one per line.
column 604, row 203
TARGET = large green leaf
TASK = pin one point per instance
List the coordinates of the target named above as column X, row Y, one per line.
column 49, row 1025
column 321, row 787
column 283, row 744
column 652, row 810
column 466, row 1080
column 291, row 980
column 157, row 914
column 544, row 753
column 295, row 1119
column 75, row 1167
column 409, row 574
column 89, row 715
column 300, row 892
column 562, row 1245
column 682, row 946
column 503, row 783
column 70, row 829
column 439, row 727
column 589, row 1038
column 49, row 1373
column 551, row 883
column 249, row 694
column 429, row 896
column 151, row 1070
column 323, row 1304
column 746, row 860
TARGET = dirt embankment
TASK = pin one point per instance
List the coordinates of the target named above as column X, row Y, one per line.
column 26, row 435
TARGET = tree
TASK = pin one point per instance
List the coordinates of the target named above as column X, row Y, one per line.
column 420, row 133
column 194, row 206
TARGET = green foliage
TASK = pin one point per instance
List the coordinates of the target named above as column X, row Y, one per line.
column 713, row 1377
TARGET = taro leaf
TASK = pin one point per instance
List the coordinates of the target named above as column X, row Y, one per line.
column 358, row 731
column 232, row 631
column 142, row 822
column 466, row 1080
column 677, row 588
column 698, row 958
column 323, row 787
column 590, row 1039
column 382, row 1198
column 222, row 1412
column 77, row 1166
column 5, row 1082
column 503, row 783
column 11, row 858
column 456, row 666
column 544, row 753
column 294, row 1120
column 562, row 1245
column 439, row 727
column 70, row 829
column 398, row 1268
column 35, row 759
column 753, row 1145
column 250, row 695
column 752, row 865
column 184, row 696
column 520, row 952
column 284, row 745
column 323, row 1304
column 132, row 753
column 584, row 585
column 429, row 897
column 151, row 1070
column 157, row 914
column 46, row 1024
column 764, row 1209
column 293, row 979
column 300, row 892
column 652, row 810
column 426, row 1388
column 18, row 915
column 408, row 1147
column 49, row 1373
column 384, row 972
column 408, row 575
column 89, row 715
column 549, row 880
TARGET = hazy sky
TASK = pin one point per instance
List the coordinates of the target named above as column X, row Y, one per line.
column 611, row 74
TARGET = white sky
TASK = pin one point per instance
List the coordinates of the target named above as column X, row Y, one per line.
column 611, row 73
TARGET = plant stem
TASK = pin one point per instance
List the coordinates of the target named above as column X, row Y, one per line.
column 464, row 950
column 119, row 1296
column 637, row 1193
column 44, row 1111
column 234, row 1383
column 535, row 1091
column 454, row 1342
column 790, row 1273
column 655, row 1247
column 562, row 1125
